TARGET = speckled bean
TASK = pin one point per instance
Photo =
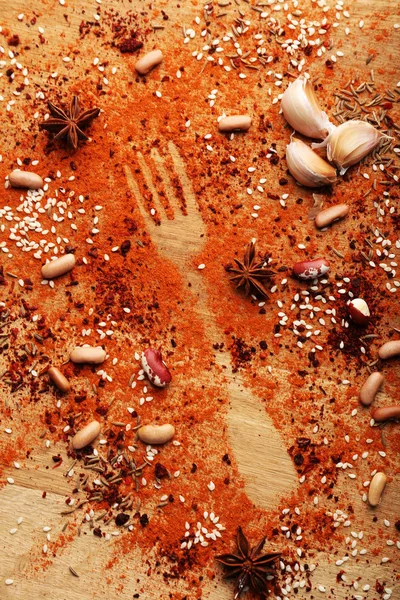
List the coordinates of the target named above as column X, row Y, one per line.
column 389, row 350
column 58, row 267
column 25, row 179
column 384, row 413
column 86, row 435
column 330, row 215
column 235, row 123
column 155, row 368
column 370, row 388
column 88, row 354
column 376, row 488
column 147, row 62
column 59, row 379
column 311, row 269
column 156, row 434
column 359, row 311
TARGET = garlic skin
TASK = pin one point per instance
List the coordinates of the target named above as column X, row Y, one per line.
column 307, row 167
column 301, row 110
column 350, row 142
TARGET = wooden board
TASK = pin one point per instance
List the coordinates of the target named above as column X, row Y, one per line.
column 247, row 429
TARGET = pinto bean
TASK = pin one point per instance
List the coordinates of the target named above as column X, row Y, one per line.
column 330, row 215
column 156, row 434
column 370, row 388
column 85, row 436
column 235, row 123
column 376, row 488
column 384, row 413
column 147, row 62
column 88, row 354
column 59, row 379
column 58, row 267
column 25, row 179
column 389, row 350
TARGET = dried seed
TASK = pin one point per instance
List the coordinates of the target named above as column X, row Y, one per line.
column 331, row 214
column 384, row 413
column 370, row 388
column 156, row 434
column 58, row 267
column 59, row 379
column 25, row 179
column 234, row 123
column 147, row 62
column 86, row 435
column 88, row 354
column 376, row 488
column 389, row 350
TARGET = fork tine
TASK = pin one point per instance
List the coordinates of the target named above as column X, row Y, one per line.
column 146, row 172
column 163, row 170
column 133, row 186
column 185, row 181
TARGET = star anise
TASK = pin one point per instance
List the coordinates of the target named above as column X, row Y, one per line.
column 250, row 273
column 68, row 124
column 249, row 566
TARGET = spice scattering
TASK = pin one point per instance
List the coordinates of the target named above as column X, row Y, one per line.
column 265, row 426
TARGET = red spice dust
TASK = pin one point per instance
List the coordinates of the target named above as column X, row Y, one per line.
column 303, row 390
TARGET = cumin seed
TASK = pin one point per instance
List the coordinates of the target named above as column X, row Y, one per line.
column 339, row 254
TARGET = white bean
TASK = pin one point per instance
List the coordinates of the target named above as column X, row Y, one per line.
column 147, row 62
column 59, row 379
column 88, row 354
column 156, row 434
column 235, row 123
column 25, row 179
column 331, row 214
column 86, row 435
column 370, row 388
column 389, row 349
column 58, row 267
column 384, row 413
column 376, row 488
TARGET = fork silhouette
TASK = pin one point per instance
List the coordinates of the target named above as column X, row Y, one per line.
column 258, row 448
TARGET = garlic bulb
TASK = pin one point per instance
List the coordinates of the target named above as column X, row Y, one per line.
column 307, row 167
column 350, row 142
column 302, row 111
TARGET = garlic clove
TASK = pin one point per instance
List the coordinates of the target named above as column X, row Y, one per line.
column 301, row 110
column 317, row 206
column 307, row 167
column 350, row 142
